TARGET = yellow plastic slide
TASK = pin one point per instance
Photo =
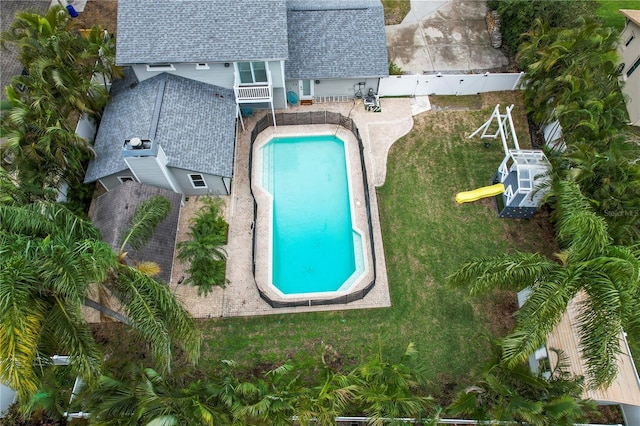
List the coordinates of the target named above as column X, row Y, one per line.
column 476, row 194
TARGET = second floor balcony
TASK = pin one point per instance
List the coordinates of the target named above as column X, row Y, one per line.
column 253, row 84
column 253, row 93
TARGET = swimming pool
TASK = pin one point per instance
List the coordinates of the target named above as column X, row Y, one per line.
column 315, row 247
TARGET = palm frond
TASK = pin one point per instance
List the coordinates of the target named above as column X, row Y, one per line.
column 562, row 365
column 65, row 323
column 579, row 227
column 502, row 271
column 566, row 407
column 146, row 218
column 599, row 330
column 149, row 268
column 538, row 317
column 157, row 315
column 21, row 317
column 44, row 218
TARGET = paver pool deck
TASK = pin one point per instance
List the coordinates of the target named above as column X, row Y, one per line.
column 240, row 297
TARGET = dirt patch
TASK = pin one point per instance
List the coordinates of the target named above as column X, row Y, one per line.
column 497, row 311
column 539, row 226
column 119, row 343
column 101, row 12
column 607, row 414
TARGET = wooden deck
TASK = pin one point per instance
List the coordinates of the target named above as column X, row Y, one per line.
column 625, row 389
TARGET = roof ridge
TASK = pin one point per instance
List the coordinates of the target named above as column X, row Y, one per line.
column 155, row 118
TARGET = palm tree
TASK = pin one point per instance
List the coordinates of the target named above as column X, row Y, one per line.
column 321, row 404
column 51, row 259
column 39, row 146
column 60, row 61
column 385, row 389
column 14, row 192
column 515, row 394
column 143, row 396
column 589, row 264
column 44, row 104
column 516, row 16
column 609, row 176
column 571, row 75
column 269, row 399
column 203, row 250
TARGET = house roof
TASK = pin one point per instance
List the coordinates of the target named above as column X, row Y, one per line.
column 162, row 31
column 565, row 336
column 336, row 39
column 193, row 122
column 631, row 14
column 114, row 210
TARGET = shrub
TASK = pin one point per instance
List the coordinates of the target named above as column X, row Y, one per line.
column 204, row 249
column 394, row 69
column 516, row 16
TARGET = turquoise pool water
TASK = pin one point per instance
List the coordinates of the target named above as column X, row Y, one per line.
column 314, row 247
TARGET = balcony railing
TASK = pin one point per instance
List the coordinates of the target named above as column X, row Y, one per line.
column 254, row 93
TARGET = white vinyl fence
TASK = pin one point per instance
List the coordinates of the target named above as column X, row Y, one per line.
column 448, row 84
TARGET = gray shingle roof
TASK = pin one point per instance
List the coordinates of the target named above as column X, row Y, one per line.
column 114, row 210
column 195, row 125
column 161, row 31
column 336, row 39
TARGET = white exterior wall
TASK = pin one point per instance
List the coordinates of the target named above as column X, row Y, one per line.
column 87, row 128
column 346, row 87
column 7, row 397
column 630, row 54
column 152, row 170
column 149, row 171
column 277, row 76
column 217, row 74
column 631, row 414
column 110, row 182
column 216, row 185
column 336, row 87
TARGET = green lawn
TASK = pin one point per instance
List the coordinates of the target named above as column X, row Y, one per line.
column 395, row 11
column 426, row 236
column 608, row 11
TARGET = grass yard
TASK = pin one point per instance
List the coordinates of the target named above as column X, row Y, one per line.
column 426, row 236
column 608, row 11
column 395, row 11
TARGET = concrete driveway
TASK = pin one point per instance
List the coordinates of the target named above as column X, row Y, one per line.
column 444, row 36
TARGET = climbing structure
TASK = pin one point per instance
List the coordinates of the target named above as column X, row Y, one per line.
column 523, row 172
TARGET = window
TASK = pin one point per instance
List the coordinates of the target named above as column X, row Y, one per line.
column 252, row 72
column 633, row 67
column 629, row 40
column 160, row 67
column 124, row 179
column 198, row 181
column 202, row 66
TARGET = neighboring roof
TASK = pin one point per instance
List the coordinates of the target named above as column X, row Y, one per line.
column 114, row 210
column 336, row 39
column 193, row 122
column 161, row 31
column 626, row 387
column 633, row 15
